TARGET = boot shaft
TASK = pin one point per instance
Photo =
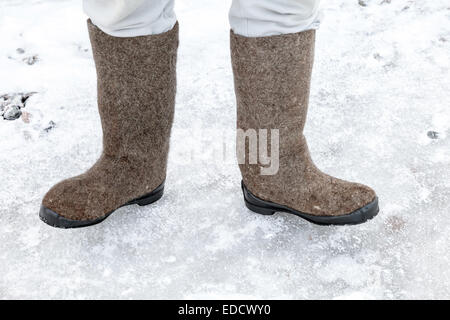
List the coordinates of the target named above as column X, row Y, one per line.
column 272, row 81
column 136, row 84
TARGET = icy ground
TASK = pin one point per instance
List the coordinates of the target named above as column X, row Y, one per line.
column 379, row 114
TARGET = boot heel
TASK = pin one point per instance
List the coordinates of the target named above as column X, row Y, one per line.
column 150, row 199
column 260, row 210
column 255, row 204
column 147, row 199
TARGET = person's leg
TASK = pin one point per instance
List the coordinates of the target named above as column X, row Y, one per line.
column 260, row 18
column 272, row 64
column 136, row 84
column 131, row 18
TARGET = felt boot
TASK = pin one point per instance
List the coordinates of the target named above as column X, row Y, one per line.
column 136, row 97
column 272, row 82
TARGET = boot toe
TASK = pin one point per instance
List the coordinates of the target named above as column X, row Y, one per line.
column 339, row 198
column 66, row 200
column 361, row 196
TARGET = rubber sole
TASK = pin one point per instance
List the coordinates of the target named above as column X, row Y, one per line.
column 55, row 220
column 263, row 207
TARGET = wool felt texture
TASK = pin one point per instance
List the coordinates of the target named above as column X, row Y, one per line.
column 136, row 84
column 272, row 78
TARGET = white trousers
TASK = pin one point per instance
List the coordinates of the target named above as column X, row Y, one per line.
column 249, row 18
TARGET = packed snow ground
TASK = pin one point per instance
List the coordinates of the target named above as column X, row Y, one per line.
column 379, row 115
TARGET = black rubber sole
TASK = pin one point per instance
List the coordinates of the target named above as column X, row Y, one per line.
column 55, row 220
column 260, row 206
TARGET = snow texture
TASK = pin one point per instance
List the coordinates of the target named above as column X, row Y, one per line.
column 379, row 115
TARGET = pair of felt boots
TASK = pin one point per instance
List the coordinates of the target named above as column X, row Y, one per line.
column 136, row 99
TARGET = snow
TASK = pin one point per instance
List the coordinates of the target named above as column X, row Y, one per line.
column 380, row 85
